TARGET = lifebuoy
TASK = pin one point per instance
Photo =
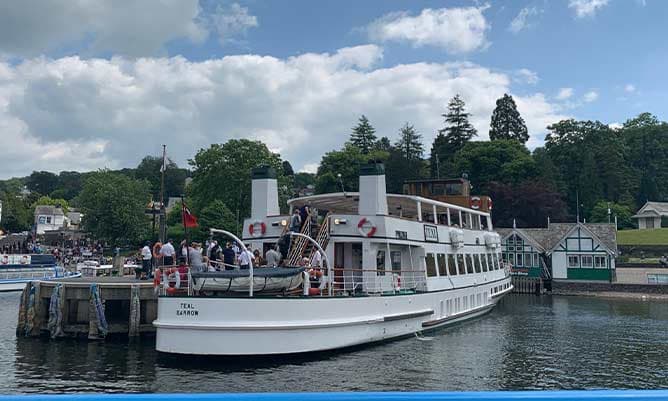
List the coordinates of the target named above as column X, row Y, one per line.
column 475, row 202
column 156, row 250
column 489, row 203
column 156, row 278
column 262, row 228
column 366, row 227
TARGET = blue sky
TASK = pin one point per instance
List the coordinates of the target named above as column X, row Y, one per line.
column 101, row 84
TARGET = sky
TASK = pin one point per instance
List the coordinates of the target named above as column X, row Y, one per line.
column 90, row 84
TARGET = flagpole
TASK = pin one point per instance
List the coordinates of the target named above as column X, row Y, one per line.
column 162, row 195
column 185, row 229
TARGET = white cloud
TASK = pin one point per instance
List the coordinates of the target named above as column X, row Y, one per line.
column 564, row 93
column 526, row 76
column 630, row 88
column 590, row 96
column 121, row 27
column 522, row 20
column 615, row 125
column 232, row 21
column 586, row 8
column 72, row 113
column 458, row 30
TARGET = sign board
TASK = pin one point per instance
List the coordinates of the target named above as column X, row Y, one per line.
column 430, row 233
column 14, row 260
column 401, row 234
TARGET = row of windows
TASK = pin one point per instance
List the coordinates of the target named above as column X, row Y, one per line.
column 499, row 288
column 395, row 262
column 522, row 259
column 587, row 261
column 452, row 265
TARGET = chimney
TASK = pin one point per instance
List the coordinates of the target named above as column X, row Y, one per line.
column 373, row 193
column 264, row 191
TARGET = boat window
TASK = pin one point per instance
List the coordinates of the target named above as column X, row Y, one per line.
column 438, row 189
column 490, row 262
column 453, row 188
column 454, row 219
column 380, row 263
column 476, row 259
column 431, row 265
column 395, row 259
column 497, row 265
column 460, row 264
column 442, row 267
column 483, row 259
column 452, row 267
column 465, row 220
column 469, row 264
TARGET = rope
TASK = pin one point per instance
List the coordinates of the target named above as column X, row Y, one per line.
column 101, row 322
column 30, row 310
column 56, row 304
column 135, row 310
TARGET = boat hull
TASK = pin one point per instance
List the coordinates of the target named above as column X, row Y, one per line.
column 275, row 325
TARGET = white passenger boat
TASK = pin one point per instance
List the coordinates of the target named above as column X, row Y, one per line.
column 17, row 270
column 400, row 264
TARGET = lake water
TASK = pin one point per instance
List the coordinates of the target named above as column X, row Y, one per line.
column 526, row 343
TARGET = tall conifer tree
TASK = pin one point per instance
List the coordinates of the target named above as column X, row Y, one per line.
column 363, row 135
column 507, row 122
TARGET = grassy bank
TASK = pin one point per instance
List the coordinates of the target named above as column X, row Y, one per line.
column 658, row 236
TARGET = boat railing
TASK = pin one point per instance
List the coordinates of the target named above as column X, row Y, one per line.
column 377, row 282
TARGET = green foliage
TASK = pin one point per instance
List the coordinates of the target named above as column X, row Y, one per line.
column 217, row 215
column 346, row 162
column 506, row 121
column 450, row 140
column 623, row 213
column 363, row 135
column 498, row 161
column 48, row 201
column 529, row 204
column 149, row 170
column 113, row 206
column 222, row 172
column 42, row 182
column 409, row 144
column 16, row 213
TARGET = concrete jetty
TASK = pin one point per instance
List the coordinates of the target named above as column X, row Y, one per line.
column 87, row 307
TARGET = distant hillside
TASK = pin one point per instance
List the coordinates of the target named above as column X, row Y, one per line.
column 657, row 236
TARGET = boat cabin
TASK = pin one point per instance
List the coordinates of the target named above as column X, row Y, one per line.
column 451, row 190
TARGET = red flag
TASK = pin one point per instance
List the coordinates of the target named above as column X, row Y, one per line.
column 189, row 219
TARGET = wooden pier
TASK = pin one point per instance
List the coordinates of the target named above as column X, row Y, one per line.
column 90, row 308
column 529, row 285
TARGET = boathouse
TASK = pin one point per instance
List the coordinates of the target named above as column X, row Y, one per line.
column 651, row 215
column 562, row 251
column 48, row 218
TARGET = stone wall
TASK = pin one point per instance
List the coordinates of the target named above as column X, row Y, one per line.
column 565, row 287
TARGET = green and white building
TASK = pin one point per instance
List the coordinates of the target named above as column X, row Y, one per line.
column 562, row 251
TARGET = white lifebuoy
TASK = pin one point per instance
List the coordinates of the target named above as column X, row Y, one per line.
column 475, row 202
column 257, row 228
column 366, row 227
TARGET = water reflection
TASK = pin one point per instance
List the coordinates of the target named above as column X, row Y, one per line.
column 527, row 343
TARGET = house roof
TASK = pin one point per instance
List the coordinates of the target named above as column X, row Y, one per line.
column 652, row 208
column 548, row 238
column 48, row 210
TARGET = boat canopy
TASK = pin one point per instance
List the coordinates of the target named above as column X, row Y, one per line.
column 398, row 205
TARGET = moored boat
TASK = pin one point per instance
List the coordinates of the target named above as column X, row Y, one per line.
column 17, row 270
column 400, row 264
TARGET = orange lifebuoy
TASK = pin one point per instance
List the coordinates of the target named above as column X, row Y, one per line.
column 366, row 227
column 475, row 202
column 252, row 230
column 156, row 250
column 156, row 278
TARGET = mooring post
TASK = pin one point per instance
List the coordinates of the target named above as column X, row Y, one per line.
column 135, row 311
column 35, row 319
column 21, row 324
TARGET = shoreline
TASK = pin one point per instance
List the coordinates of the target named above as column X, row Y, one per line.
column 638, row 296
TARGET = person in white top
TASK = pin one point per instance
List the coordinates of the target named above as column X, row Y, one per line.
column 167, row 251
column 316, row 260
column 146, row 256
column 245, row 258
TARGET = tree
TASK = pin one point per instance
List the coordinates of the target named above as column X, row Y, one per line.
column 345, row 162
column 216, row 215
column 528, row 204
column 622, row 212
column 363, row 135
column 410, row 143
column 223, row 172
column 48, row 201
column 149, row 170
column 383, row 144
column 114, row 207
column 507, row 122
column 42, row 182
column 16, row 213
column 457, row 132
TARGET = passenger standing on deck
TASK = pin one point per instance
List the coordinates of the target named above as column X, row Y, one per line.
column 303, row 214
column 167, row 251
column 296, row 221
column 316, row 260
column 229, row 256
column 245, row 258
column 146, row 256
column 273, row 258
column 195, row 257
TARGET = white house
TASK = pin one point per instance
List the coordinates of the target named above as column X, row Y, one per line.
column 562, row 251
column 649, row 216
column 48, row 218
